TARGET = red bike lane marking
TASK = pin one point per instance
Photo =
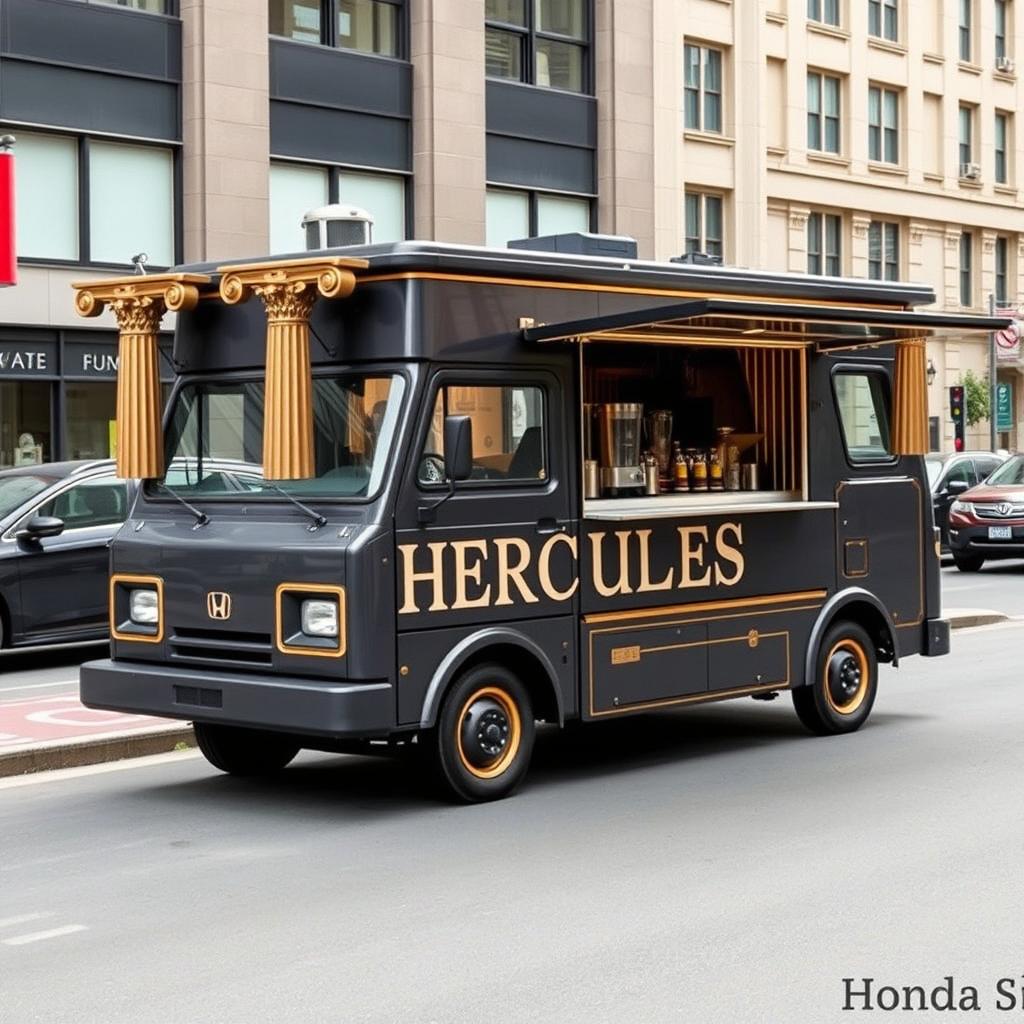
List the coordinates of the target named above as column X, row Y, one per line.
column 44, row 719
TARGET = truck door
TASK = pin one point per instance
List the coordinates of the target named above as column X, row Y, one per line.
column 502, row 547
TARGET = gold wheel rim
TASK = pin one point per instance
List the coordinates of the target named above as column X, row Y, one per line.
column 507, row 756
column 852, row 705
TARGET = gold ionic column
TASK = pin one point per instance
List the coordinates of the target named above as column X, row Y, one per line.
column 288, row 290
column 138, row 304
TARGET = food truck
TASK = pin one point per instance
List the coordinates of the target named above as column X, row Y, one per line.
column 422, row 496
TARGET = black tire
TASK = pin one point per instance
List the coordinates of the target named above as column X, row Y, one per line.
column 244, row 751
column 483, row 741
column 840, row 697
column 968, row 563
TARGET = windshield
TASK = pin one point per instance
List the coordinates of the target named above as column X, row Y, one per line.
column 215, row 438
column 16, row 490
column 1010, row 473
column 934, row 468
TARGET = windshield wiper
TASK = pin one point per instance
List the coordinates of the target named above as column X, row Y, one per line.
column 318, row 520
column 201, row 517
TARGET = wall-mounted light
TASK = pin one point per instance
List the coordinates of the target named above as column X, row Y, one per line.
column 930, row 373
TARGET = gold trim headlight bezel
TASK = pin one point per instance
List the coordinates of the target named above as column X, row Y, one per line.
column 121, row 625
column 288, row 621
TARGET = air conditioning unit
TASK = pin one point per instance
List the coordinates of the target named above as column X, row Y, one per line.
column 1005, row 64
column 970, row 171
column 338, row 224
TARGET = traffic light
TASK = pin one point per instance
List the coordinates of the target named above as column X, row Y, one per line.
column 956, row 410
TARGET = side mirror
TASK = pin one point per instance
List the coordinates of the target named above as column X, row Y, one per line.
column 957, row 486
column 458, row 448
column 39, row 527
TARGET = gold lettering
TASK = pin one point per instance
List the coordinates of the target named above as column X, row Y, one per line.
column 621, row 586
column 730, row 554
column 513, row 573
column 645, row 567
column 464, row 572
column 691, row 554
column 411, row 577
column 544, row 567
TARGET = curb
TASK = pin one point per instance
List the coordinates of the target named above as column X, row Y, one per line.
column 964, row 619
column 86, row 750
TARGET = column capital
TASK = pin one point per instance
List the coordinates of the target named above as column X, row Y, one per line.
column 288, row 288
column 140, row 300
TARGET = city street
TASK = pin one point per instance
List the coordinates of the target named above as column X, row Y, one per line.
column 711, row 865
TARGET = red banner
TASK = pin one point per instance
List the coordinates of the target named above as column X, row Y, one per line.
column 8, row 259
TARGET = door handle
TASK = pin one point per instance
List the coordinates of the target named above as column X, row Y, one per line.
column 550, row 525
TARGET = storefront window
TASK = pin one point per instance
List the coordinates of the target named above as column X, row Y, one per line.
column 25, row 423
column 91, row 430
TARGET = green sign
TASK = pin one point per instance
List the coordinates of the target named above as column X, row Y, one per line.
column 1004, row 406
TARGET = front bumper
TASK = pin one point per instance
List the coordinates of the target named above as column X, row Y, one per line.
column 283, row 704
column 975, row 540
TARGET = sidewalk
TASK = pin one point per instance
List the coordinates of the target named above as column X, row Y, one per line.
column 44, row 733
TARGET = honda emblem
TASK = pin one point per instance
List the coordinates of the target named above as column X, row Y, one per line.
column 218, row 605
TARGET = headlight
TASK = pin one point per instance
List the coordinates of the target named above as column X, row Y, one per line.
column 963, row 507
column 144, row 607
column 320, row 618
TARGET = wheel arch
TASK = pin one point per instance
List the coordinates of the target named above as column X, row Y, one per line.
column 864, row 608
column 5, row 623
column 510, row 648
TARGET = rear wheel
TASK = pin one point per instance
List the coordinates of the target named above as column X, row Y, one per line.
column 483, row 741
column 244, row 751
column 840, row 696
column 968, row 563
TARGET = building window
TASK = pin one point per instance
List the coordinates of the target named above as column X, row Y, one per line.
column 883, row 19
column 824, row 244
column 516, row 213
column 93, row 201
column 825, row 11
column 149, row 6
column 966, row 135
column 297, row 188
column 883, row 251
column 543, row 42
column 883, row 125
column 964, row 22
column 25, row 408
column 822, row 112
column 966, row 269
column 702, row 100
column 367, row 26
column 1002, row 135
column 1002, row 269
column 704, row 223
column 1002, row 28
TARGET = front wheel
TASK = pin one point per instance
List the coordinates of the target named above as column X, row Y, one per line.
column 483, row 741
column 244, row 751
column 968, row 563
column 840, row 696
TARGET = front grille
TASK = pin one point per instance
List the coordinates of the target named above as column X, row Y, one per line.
column 993, row 511
column 221, row 646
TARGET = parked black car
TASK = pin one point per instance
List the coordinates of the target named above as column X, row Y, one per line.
column 56, row 522
column 950, row 475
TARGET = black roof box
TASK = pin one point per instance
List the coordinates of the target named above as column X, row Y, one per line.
column 581, row 243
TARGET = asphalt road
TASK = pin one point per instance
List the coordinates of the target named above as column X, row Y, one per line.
column 713, row 865
column 998, row 585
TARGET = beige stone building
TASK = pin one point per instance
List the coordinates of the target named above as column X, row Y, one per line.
column 855, row 137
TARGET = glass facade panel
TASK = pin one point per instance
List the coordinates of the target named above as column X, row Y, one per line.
column 294, row 190
column 25, row 418
column 149, row 6
column 562, row 17
column 966, row 269
column 381, row 195
column 559, row 65
column 296, row 19
column 368, row 26
column 512, row 12
column 46, row 217
column 131, row 203
column 964, row 29
column 508, row 216
column 504, row 54
column 561, row 214
column 1001, row 148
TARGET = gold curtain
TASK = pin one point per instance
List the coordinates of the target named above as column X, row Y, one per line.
column 910, row 400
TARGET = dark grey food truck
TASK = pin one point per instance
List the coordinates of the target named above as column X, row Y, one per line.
column 423, row 496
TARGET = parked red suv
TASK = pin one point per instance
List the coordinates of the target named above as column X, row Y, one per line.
column 987, row 521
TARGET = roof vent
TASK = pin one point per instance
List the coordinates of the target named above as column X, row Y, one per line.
column 338, row 224
column 581, row 243
column 698, row 259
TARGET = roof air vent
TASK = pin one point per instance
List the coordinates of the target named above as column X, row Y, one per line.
column 328, row 227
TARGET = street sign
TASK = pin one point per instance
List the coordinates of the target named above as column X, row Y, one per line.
column 1008, row 339
column 1004, row 406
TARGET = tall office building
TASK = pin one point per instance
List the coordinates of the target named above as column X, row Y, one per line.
column 861, row 137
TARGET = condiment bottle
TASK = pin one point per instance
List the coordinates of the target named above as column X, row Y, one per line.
column 732, row 468
column 699, row 475
column 680, row 472
column 715, row 476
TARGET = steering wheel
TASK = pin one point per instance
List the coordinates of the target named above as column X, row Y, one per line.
column 431, row 469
